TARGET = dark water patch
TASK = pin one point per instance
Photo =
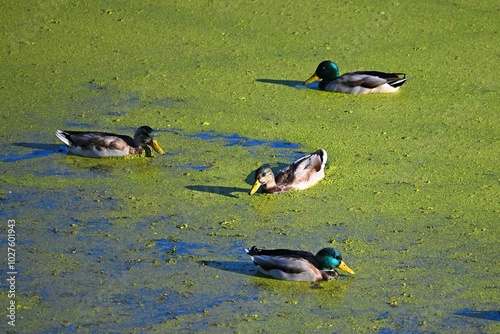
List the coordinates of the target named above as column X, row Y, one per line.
column 182, row 248
column 108, row 100
column 235, row 139
column 102, row 169
column 167, row 102
column 174, row 293
column 115, row 113
column 93, row 227
column 108, row 97
column 127, row 101
column 195, row 167
column 383, row 315
column 416, row 323
column 30, row 197
column 281, row 149
column 151, row 307
column 203, row 302
column 285, row 149
column 98, row 170
column 94, row 86
column 58, row 200
column 486, row 315
column 169, row 130
column 169, row 246
column 56, row 171
column 403, row 323
column 10, row 205
column 79, row 125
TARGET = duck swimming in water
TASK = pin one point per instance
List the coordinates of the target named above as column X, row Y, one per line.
column 301, row 174
column 296, row 265
column 361, row 82
column 103, row 144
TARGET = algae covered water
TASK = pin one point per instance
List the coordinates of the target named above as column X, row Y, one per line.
column 411, row 196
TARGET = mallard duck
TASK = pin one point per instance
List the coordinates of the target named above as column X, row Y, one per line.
column 103, row 144
column 296, row 265
column 362, row 82
column 301, row 174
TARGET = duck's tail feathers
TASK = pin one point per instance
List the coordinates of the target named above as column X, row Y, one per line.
column 399, row 82
column 323, row 157
column 64, row 137
column 251, row 251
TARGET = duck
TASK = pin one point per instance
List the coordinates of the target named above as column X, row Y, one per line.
column 297, row 265
column 361, row 82
column 301, row 174
column 104, row 144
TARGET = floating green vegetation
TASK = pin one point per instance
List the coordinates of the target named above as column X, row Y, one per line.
column 410, row 197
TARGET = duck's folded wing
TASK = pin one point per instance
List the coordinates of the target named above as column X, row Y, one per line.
column 289, row 269
column 373, row 79
column 362, row 79
column 98, row 140
column 284, row 264
column 303, row 169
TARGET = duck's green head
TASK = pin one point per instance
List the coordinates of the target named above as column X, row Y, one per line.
column 144, row 136
column 326, row 70
column 330, row 258
column 263, row 175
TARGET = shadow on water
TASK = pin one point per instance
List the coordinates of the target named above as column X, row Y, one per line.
column 219, row 190
column 40, row 150
column 238, row 267
column 229, row 191
column 289, row 83
column 486, row 315
column 41, row 146
column 405, row 320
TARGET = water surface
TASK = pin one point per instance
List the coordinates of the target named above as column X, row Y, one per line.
column 411, row 194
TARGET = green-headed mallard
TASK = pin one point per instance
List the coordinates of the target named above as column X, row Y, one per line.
column 103, row 144
column 301, row 174
column 296, row 265
column 362, row 82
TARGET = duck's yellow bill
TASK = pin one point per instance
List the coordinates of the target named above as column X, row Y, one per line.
column 157, row 147
column 313, row 78
column 255, row 187
column 345, row 268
